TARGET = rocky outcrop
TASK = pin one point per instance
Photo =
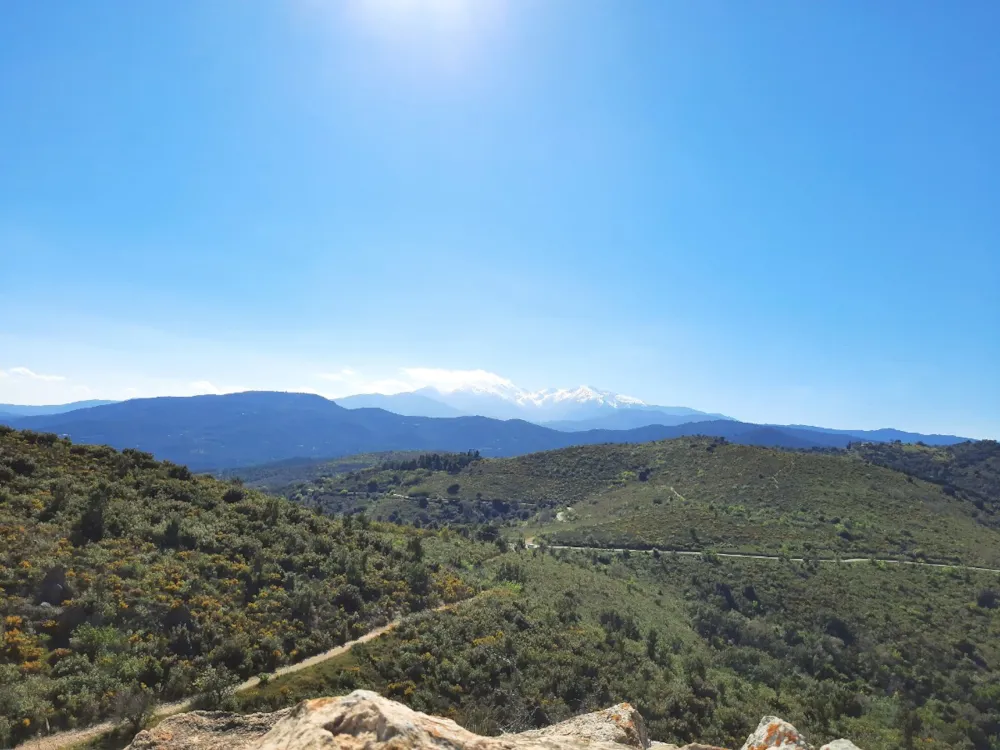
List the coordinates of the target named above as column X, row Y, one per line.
column 773, row 732
column 618, row 725
column 366, row 721
column 777, row 734
column 207, row 730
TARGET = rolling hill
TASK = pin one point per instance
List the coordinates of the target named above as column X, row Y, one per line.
column 686, row 494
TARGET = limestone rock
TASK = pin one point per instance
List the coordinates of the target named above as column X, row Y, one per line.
column 773, row 732
column 619, row 724
column 207, row 730
column 366, row 721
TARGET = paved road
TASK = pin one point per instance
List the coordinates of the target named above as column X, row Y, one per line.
column 61, row 740
column 687, row 553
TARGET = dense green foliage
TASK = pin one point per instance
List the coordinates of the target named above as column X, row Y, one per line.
column 686, row 494
column 891, row 656
column 122, row 575
column 279, row 475
column 969, row 470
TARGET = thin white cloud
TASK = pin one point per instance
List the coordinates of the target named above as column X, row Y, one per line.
column 450, row 380
column 344, row 375
column 24, row 372
column 349, row 382
column 203, row 386
column 208, row 388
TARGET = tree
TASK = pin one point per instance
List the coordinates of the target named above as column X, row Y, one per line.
column 416, row 549
column 90, row 527
column 214, row 685
column 134, row 706
column 652, row 637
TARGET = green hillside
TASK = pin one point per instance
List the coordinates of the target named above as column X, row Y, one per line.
column 124, row 579
column 686, row 494
column 894, row 657
column 281, row 474
column 968, row 470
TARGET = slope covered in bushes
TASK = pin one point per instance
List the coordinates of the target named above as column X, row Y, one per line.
column 124, row 579
column 687, row 494
column 894, row 657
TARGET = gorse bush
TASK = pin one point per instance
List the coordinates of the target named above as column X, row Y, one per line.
column 123, row 579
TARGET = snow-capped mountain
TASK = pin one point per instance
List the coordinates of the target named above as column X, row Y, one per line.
column 508, row 401
column 502, row 399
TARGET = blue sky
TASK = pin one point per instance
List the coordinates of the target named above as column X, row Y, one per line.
column 783, row 211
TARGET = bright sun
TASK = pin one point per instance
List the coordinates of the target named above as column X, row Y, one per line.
column 420, row 16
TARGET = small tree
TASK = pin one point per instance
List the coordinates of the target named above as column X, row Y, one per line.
column 652, row 637
column 134, row 706
column 214, row 685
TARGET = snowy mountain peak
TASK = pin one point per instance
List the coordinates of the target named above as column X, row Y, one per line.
column 542, row 399
column 486, row 394
column 583, row 394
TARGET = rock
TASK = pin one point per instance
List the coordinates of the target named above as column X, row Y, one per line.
column 773, row 732
column 207, row 730
column 365, row 721
column 619, row 724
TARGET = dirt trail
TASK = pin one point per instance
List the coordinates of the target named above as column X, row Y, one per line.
column 748, row 556
column 61, row 740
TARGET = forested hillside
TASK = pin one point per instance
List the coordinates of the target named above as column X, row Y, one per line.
column 969, row 470
column 685, row 494
column 894, row 657
column 124, row 579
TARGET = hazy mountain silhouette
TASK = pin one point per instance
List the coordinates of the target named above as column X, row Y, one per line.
column 242, row 429
column 20, row 410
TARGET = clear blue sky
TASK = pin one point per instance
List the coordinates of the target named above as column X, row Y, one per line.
column 785, row 211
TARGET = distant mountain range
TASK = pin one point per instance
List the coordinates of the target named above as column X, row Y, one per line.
column 244, row 429
column 569, row 409
column 18, row 410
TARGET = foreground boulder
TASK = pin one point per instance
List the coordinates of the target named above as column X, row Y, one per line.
column 364, row 720
column 773, row 732
column 777, row 734
column 207, row 730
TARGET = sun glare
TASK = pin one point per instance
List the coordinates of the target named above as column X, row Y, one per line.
column 451, row 18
